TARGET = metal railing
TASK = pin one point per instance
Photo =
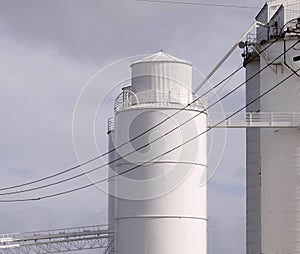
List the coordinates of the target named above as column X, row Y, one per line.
column 248, row 120
column 58, row 240
column 111, row 124
column 128, row 99
column 256, row 120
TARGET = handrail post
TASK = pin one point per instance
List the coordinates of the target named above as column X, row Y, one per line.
column 250, row 118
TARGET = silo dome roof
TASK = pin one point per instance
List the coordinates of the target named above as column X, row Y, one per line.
column 161, row 57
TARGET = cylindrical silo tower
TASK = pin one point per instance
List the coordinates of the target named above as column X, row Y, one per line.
column 160, row 190
column 273, row 170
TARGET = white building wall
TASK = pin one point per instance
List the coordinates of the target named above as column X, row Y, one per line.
column 253, row 173
column 280, row 196
column 273, row 193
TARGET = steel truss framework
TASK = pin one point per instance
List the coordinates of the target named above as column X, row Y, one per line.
column 60, row 240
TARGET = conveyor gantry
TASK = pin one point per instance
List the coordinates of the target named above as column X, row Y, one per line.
column 59, row 240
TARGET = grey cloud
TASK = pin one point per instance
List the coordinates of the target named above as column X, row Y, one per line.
column 104, row 30
column 50, row 48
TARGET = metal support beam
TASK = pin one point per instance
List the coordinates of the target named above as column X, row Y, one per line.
column 59, row 240
column 255, row 24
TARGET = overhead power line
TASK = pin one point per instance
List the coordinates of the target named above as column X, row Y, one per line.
column 202, row 4
column 129, row 170
column 104, row 165
column 153, row 127
column 136, row 137
column 157, row 157
column 114, row 149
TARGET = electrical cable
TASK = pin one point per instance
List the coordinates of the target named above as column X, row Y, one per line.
column 201, row 4
column 52, row 184
column 157, row 157
column 114, row 149
column 92, row 170
column 104, row 154
column 104, row 165
column 138, row 136
column 222, row 87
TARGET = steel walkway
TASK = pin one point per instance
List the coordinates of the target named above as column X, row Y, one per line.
column 59, row 240
column 255, row 120
column 246, row 120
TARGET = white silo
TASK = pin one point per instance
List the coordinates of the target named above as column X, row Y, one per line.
column 160, row 203
column 273, row 170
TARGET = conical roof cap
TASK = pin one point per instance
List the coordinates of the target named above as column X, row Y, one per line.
column 161, row 57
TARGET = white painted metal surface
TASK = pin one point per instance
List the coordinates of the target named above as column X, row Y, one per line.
column 160, row 205
column 225, row 57
column 162, row 75
column 253, row 172
column 280, row 207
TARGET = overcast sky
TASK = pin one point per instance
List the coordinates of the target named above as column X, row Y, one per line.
column 48, row 51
